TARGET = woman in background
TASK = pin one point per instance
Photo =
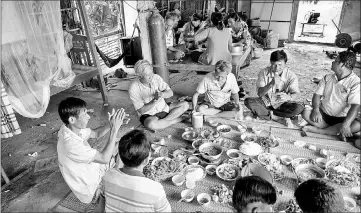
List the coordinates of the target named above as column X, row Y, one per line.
column 189, row 29
column 239, row 30
column 219, row 42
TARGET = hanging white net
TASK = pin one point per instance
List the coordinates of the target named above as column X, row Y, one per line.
column 33, row 54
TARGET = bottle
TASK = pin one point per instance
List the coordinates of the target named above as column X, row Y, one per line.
column 239, row 113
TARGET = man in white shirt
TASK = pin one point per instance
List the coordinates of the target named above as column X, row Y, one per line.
column 147, row 95
column 82, row 166
column 337, row 112
column 127, row 189
column 218, row 87
column 279, row 82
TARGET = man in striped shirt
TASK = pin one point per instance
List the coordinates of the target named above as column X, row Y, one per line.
column 127, row 189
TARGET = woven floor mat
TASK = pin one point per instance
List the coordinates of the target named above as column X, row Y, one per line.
column 71, row 204
column 294, row 135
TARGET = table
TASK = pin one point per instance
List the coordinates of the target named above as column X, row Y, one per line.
column 312, row 24
column 287, row 185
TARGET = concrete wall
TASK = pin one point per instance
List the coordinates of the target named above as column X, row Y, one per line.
column 351, row 19
column 245, row 5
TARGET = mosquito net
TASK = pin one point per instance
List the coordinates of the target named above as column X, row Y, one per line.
column 33, row 54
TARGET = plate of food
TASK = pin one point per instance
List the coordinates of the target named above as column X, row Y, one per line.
column 268, row 158
column 251, row 149
column 164, row 164
column 190, row 135
column 228, row 172
column 210, row 151
column 343, row 172
column 221, row 194
column 355, row 157
column 308, row 171
column 246, row 137
column 224, row 129
column 195, row 172
column 298, row 161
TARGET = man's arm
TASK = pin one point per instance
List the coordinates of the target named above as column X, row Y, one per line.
column 235, row 98
column 195, row 101
column 146, row 107
column 262, row 91
column 116, row 122
column 345, row 129
column 166, row 93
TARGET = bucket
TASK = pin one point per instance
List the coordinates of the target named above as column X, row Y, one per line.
column 257, row 53
column 197, row 120
column 237, row 48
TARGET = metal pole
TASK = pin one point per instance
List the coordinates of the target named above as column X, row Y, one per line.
column 269, row 23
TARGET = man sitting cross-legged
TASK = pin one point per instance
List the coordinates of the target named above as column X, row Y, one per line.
column 147, row 95
column 218, row 87
column 127, row 189
column 279, row 85
column 82, row 166
column 336, row 112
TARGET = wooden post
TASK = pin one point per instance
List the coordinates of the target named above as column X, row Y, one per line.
column 91, row 43
column 291, row 33
column 211, row 5
column 144, row 6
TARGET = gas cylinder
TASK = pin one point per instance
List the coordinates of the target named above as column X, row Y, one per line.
column 157, row 45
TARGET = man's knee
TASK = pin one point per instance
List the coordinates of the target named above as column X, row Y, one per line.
column 251, row 102
column 150, row 123
column 184, row 105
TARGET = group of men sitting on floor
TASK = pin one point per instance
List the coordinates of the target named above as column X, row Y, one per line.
column 116, row 172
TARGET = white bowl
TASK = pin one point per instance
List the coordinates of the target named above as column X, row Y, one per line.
column 193, row 160
column 350, row 204
column 246, row 137
column 250, row 148
column 211, row 169
column 188, row 192
column 234, row 167
column 233, row 153
column 213, row 123
column 321, row 162
column 190, row 135
column 178, row 180
column 286, row 159
column 206, row 146
column 197, row 143
column 204, row 199
column 224, row 129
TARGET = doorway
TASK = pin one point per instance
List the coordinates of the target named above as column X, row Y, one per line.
column 324, row 30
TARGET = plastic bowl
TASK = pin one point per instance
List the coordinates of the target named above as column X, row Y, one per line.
column 321, row 162
column 286, row 159
column 178, row 180
column 233, row 153
column 211, row 169
column 193, row 160
column 190, row 135
column 190, row 194
column 204, row 199
column 208, row 145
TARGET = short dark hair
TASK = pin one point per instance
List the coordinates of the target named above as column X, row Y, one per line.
column 234, row 16
column 134, row 148
column 348, row 59
column 217, row 20
column 223, row 66
column 70, row 107
column 278, row 55
column 318, row 196
column 252, row 189
column 197, row 17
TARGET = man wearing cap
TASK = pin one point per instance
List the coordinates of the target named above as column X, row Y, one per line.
column 148, row 94
column 336, row 113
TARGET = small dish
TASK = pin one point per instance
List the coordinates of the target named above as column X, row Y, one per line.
column 211, row 169
column 233, row 153
column 187, row 195
column 179, row 154
column 190, row 135
column 251, row 149
column 321, row 162
column 350, row 204
column 286, row 159
column 193, row 160
column 206, row 148
column 228, row 169
column 178, row 180
column 204, row 199
column 224, row 129
column 197, row 143
column 213, row 123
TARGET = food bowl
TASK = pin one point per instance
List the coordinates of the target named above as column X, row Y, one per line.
column 213, row 123
column 195, row 172
column 233, row 153
column 257, row 130
column 308, row 171
column 197, row 143
column 228, row 172
column 156, row 147
column 193, row 160
column 246, row 137
column 204, row 199
column 188, row 195
column 211, row 169
column 321, row 162
column 350, row 204
column 214, row 151
column 250, row 149
column 224, row 129
column 286, row 159
column 236, row 48
column 190, row 135
column 179, row 154
column 207, row 134
column 327, row 153
column 256, row 170
column 178, row 180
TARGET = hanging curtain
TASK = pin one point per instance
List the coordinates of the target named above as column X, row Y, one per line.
column 9, row 124
column 33, row 54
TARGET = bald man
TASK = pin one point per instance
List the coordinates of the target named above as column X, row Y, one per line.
column 147, row 95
